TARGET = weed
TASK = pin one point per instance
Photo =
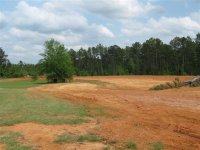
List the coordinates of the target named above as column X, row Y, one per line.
column 158, row 146
column 131, row 145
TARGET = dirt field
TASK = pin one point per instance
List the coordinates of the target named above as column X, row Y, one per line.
column 134, row 113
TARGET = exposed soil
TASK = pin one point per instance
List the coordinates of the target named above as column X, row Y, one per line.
column 2, row 146
column 136, row 114
column 43, row 136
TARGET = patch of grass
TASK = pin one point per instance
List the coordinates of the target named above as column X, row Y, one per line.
column 106, row 148
column 71, row 138
column 169, row 85
column 158, row 146
column 16, row 106
column 21, row 84
column 11, row 140
column 131, row 145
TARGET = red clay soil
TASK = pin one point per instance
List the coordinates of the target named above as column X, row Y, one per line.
column 43, row 136
column 137, row 114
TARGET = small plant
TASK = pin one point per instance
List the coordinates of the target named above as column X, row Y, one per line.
column 131, row 145
column 158, row 146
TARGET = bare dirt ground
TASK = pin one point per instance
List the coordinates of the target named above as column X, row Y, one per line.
column 135, row 113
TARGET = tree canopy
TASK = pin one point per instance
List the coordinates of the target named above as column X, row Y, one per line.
column 3, row 62
column 56, row 62
column 153, row 57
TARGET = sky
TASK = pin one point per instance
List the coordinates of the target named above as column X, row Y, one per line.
column 26, row 24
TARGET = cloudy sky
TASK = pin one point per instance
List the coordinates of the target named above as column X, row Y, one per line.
column 26, row 24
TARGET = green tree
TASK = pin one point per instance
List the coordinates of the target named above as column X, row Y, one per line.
column 197, row 41
column 3, row 62
column 56, row 62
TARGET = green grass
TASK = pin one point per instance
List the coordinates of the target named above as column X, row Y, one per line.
column 11, row 140
column 158, row 146
column 21, row 84
column 16, row 106
column 131, row 145
column 71, row 138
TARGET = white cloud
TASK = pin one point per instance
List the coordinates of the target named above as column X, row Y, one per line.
column 119, row 9
column 45, row 20
column 165, row 27
column 76, row 23
column 105, row 31
column 29, row 26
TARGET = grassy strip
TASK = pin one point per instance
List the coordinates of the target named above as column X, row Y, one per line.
column 71, row 138
column 11, row 140
column 18, row 107
column 21, row 84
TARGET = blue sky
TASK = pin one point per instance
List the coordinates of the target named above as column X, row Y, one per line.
column 26, row 24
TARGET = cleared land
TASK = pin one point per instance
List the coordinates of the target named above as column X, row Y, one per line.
column 115, row 112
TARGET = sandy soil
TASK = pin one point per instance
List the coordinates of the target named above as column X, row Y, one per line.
column 136, row 114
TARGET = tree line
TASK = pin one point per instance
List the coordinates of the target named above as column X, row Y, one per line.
column 21, row 69
column 181, row 56
column 153, row 57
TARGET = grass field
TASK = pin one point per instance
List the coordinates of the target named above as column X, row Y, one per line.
column 17, row 106
column 21, row 84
